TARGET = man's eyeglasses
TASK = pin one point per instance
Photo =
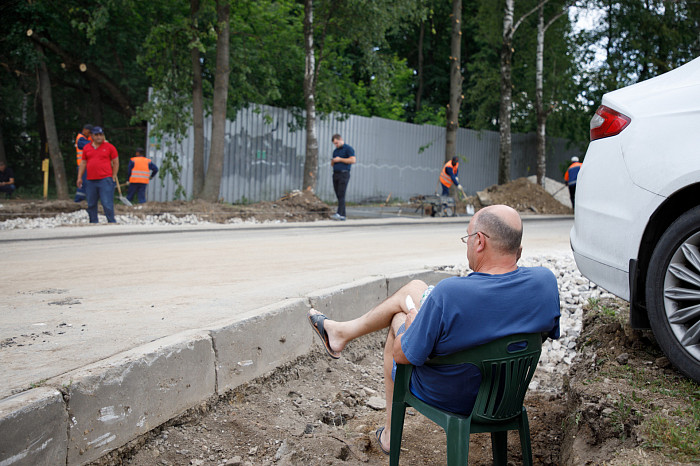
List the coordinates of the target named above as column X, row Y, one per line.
column 465, row 238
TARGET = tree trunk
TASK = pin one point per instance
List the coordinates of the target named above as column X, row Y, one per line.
column 59, row 170
column 419, row 91
column 539, row 103
column 3, row 157
column 215, row 168
column 542, row 112
column 311, row 159
column 122, row 100
column 506, row 95
column 455, row 82
column 197, row 111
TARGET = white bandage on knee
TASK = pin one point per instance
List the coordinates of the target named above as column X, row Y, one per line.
column 409, row 303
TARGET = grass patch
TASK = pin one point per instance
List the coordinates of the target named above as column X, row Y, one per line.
column 678, row 437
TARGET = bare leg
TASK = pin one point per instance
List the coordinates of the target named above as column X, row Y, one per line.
column 396, row 322
column 341, row 333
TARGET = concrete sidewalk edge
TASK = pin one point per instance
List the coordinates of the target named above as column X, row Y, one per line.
column 80, row 416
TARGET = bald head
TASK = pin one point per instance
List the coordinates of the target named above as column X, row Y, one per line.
column 503, row 225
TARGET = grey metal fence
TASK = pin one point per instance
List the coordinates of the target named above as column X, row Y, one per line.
column 265, row 152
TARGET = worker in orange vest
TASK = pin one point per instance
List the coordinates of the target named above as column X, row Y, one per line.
column 139, row 172
column 570, row 178
column 448, row 176
column 83, row 138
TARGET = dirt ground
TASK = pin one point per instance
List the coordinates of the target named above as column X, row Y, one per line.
column 297, row 206
column 319, row 411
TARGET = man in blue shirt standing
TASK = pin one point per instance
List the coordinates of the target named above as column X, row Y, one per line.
column 343, row 159
column 497, row 299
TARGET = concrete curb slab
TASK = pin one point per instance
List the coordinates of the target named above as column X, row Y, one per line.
column 33, row 428
column 122, row 397
column 256, row 346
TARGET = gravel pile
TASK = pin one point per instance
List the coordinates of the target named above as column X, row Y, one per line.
column 574, row 291
column 81, row 218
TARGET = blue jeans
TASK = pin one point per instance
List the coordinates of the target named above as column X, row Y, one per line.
column 137, row 189
column 102, row 190
column 445, row 190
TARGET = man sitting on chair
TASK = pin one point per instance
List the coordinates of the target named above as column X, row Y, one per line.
column 497, row 299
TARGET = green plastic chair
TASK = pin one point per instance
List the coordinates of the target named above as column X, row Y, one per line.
column 506, row 374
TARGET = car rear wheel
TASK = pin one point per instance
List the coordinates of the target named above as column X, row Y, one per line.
column 673, row 293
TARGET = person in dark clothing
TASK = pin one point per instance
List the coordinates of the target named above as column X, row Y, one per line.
column 343, row 159
column 83, row 138
column 570, row 178
column 7, row 180
column 139, row 172
column 448, row 176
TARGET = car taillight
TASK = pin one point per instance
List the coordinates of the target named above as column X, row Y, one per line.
column 607, row 122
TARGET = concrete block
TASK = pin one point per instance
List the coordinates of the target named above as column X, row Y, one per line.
column 350, row 300
column 33, row 428
column 115, row 400
column 429, row 276
column 258, row 345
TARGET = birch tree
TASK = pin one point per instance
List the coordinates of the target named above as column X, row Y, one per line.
column 541, row 112
column 456, row 96
column 197, row 104
column 505, row 108
column 310, row 80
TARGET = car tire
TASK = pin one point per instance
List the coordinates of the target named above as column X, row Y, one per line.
column 673, row 293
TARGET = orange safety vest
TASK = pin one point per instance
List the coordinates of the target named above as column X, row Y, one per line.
column 79, row 152
column 444, row 177
column 574, row 175
column 140, row 173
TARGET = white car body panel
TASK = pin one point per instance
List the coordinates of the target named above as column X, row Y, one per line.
column 625, row 178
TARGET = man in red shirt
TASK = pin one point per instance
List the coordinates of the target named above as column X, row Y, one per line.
column 101, row 160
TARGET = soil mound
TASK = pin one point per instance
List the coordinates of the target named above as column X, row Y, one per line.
column 520, row 194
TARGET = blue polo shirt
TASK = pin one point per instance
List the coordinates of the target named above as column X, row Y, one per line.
column 344, row 152
column 463, row 312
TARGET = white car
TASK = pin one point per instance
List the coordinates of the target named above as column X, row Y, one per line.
column 637, row 222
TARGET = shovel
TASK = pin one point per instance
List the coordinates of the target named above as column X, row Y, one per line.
column 463, row 193
column 124, row 200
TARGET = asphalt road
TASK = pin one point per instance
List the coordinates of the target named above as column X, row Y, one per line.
column 75, row 295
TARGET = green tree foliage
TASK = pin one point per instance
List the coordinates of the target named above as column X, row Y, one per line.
column 638, row 40
column 379, row 58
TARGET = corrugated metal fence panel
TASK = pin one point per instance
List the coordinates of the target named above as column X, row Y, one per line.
column 265, row 151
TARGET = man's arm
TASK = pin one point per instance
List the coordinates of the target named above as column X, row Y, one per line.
column 81, row 170
column 115, row 166
column 452, row 175
column 82, row 142
column 154, row 169
column 348, row 161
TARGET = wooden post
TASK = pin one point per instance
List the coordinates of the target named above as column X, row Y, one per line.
column 45, row 169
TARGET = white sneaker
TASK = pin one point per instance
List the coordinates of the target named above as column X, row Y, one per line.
column 337, row 216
